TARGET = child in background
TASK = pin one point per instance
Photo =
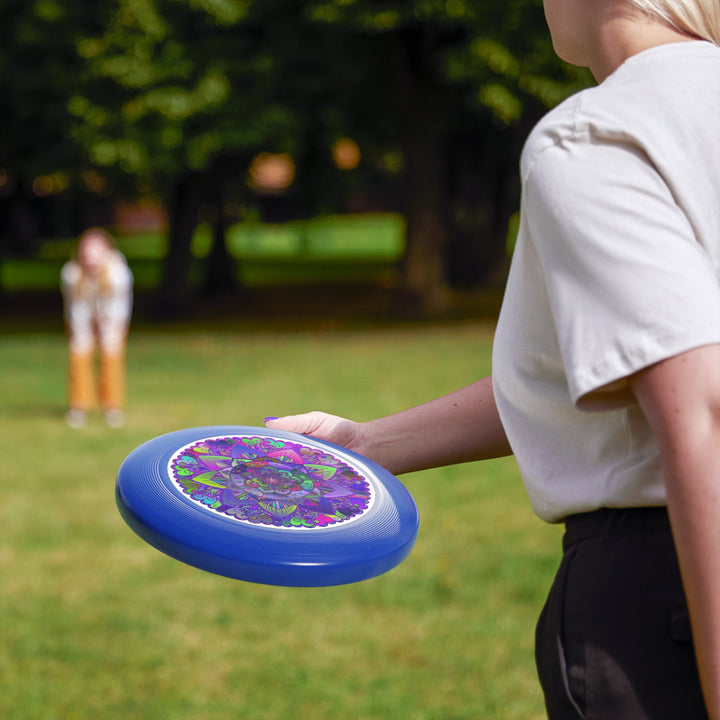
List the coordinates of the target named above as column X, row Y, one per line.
column 97, row 294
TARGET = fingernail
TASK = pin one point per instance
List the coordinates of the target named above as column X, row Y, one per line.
column 270, row 417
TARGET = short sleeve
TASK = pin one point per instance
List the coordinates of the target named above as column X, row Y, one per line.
column 628, row 282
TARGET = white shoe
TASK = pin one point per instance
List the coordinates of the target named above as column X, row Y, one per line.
column 75, row 418
column 115, row 418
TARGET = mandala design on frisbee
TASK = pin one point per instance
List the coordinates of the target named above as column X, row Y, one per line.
column 272, row 482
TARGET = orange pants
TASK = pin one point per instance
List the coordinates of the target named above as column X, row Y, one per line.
column 83, row 390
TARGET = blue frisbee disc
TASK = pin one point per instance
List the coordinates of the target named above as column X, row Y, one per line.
column 267, row 506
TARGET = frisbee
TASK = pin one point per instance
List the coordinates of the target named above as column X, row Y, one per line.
column 266, row 506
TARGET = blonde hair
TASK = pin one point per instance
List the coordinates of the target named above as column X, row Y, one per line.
column 699, row 18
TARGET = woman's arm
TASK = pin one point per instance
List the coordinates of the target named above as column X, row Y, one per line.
column 459, row 427
column 681, row 400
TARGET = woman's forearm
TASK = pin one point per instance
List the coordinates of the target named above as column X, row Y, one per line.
column 694, row 507
column 460, row 427
column 681, row 400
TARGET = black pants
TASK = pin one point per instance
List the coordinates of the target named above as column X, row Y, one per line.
column 613, row 641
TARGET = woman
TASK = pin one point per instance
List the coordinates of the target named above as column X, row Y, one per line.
column 606, row 365
column 97, row 294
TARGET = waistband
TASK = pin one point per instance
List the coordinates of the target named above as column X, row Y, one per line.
column 607, row 521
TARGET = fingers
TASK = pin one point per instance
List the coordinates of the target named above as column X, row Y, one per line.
column 305, row 424
column 320, row 425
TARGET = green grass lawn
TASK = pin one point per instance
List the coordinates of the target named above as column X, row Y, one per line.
column 94, row 623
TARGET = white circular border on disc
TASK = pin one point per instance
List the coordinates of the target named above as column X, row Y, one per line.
column 272, row 482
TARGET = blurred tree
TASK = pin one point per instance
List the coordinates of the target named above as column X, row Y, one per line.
column 176, row 97
column 175, row 94
column 38, row 68
column 182, row 94
column 439, row 91
column 456, row 85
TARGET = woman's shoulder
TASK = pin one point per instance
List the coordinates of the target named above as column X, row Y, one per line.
column 554, row 128
column 649, row 102
column 596, row 114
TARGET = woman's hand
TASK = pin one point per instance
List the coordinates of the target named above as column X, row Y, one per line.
column 323, row 426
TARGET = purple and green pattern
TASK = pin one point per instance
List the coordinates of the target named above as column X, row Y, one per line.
column 273, row 482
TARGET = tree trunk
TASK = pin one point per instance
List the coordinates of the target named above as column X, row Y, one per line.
column 175, row 295
column 424, row 142
column 485, row 194
column 424, row 277
column 220, row 267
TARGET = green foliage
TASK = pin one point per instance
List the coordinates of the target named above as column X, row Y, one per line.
column 38, row 69
column 97, row 624
column 153, row 87
column 174, row 98
column 499, row 53
column 185, row 81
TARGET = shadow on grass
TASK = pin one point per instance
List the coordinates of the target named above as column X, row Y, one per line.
column 271, row 309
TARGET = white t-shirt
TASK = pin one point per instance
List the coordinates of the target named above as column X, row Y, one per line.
column 617, row 266
column 97, row 308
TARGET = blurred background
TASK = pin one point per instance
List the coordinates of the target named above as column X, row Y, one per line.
column 233, row 145
column 317, row 200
